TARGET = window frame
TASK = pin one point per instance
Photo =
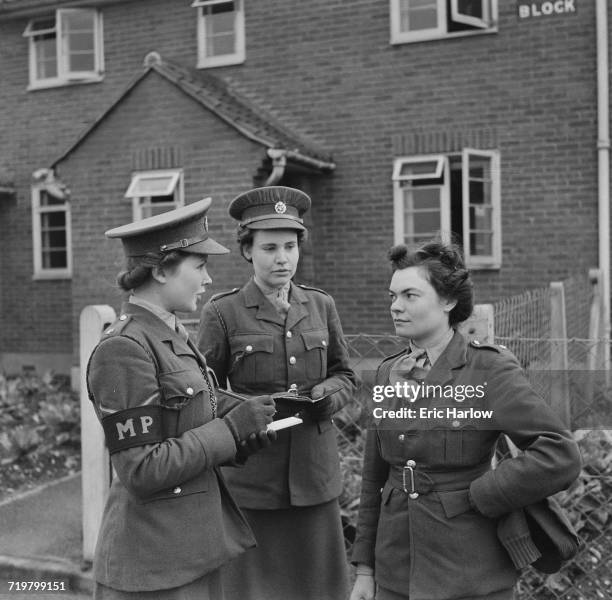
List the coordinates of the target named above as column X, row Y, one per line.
column 41, row 272
column 492, row 261
column 62, row 51
column 397, row 36
column 239, row 54
column 139, row 203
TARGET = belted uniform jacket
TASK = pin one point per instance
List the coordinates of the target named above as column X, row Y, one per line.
column 169, row 518
column 418, row 526
column 246, row 342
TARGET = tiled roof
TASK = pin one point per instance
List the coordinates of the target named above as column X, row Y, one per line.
column 30, row 7
column 240, row 113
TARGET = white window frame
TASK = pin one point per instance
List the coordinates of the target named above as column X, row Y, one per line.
column 239, row 54
column 41, row 272
column 175, row 186
column 64, row 75
column 485, row 25
column 399, row 194
column 492, row 261
column 482, row 261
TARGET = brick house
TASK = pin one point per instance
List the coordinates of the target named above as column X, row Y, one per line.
column 399, row 118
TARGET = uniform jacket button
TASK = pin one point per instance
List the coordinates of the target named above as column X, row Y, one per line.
column 411, row 464
column 289, row 334
column 292, row 360
column 413, row 495
column 324, row 343
column 249, row 348
column 177, row 490
column 401, row 437
column 122, row 317
column 189, row 391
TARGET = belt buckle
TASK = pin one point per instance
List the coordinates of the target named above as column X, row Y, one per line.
column 412, row 493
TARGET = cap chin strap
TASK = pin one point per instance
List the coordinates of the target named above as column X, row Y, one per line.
column 284, row 216
column 184, row 243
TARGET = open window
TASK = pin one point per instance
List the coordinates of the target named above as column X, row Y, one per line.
column 417, row 20
column 220, row 32
column 456, row 195
column 155, row 192
column 66, row 47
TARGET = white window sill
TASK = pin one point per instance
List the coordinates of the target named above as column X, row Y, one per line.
column 49, row 275
column 424, row 37
column 484, row 266
column 53, row 83
column 220, row 61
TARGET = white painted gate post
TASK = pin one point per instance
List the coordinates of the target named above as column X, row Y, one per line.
column 95, row 462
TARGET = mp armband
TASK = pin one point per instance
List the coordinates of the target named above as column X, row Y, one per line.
column 132, row 427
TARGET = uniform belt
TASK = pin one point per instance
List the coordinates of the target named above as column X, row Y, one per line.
column 414, row 481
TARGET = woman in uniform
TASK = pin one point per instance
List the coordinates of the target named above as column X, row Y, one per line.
column 274, row 336
column 430, row 503
column 169, row 522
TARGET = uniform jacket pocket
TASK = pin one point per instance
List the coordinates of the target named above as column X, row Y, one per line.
column 454, row 503
column 179, row 411
column 198, row 484
column 315, row 343
column 252, row 357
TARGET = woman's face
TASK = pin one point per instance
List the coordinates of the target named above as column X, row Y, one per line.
column 275, row 255
column 185, row 283
column 418, row 312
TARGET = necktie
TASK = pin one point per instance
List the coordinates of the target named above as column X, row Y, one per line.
column 180, row 329
column 410, row 367
column 281, row 301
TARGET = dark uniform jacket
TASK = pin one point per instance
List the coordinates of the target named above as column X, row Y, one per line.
column 169, row 518
column 247, row 342
column 416, row 526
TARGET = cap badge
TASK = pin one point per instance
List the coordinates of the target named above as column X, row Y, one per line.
column 280, row 207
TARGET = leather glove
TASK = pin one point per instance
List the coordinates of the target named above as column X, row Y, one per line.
column 254, row 443
column 323, row 409
column 251, row 416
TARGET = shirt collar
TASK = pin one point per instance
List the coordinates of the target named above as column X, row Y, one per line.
column 435, row 350
column 167, row 317
column 271, row 292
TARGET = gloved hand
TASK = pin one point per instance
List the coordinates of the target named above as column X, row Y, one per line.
column 254, row 443
column 251, row 416
column 323, row 409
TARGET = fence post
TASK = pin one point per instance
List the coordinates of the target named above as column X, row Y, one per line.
column 480, row 324
column 95, row 462
column 560, row 397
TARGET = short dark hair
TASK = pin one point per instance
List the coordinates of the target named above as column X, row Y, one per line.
column 138, row 269
column 445, row 270
column 245, row 235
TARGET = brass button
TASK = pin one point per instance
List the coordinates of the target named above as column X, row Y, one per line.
column 401, row 437
column 249, row 348
column 177, row 490
column 110, row 330
column 189, row 391
column 292, row 360
column 293, row 387
column 122, row 317
column 476, row 343
column 413, row 495
column 324, row 342
column 289, row 334
column 411, row 464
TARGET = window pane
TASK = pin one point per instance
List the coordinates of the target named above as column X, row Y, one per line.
column 53, row 219
column 418, row 14
column 422, row 216
column 81, row 62
column 53, row 239
column 220, row 34
column 49, row 200
column 224, row 7
column 144, row 185
column 42, row 24
column 78, row 21
column 481, row 244
column 45, row 56
column 55, row 259
column 472, row 8
column 481, row 217
column 78, row 30
column 420, row 169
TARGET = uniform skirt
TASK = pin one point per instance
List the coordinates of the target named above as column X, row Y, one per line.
column 208, row 587
column 300, row 555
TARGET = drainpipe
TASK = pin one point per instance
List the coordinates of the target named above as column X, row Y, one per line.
column 603, row 157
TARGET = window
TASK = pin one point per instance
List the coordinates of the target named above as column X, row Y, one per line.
column 51, row 234
column 416, row 20
column 65, row 48
column 155, row 192
column 457, row 195
column 220, row 32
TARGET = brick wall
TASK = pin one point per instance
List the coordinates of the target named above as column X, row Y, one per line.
column 326, row 69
